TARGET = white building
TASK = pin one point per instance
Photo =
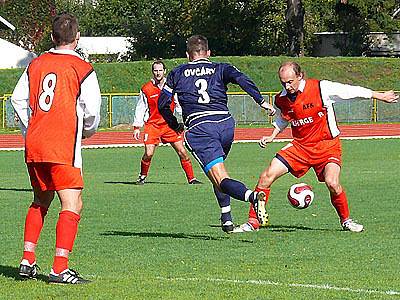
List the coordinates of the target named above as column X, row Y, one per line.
column 13, row 56
column 104, row 45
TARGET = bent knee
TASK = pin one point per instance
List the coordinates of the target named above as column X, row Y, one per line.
column 183, row 155
column 147, row 156
column 333, row 185
column 266, row 179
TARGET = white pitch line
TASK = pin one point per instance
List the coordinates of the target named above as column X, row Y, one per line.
column 235, row 142
column 275, row 283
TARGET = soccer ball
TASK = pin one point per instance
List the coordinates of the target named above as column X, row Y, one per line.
column 300, row 195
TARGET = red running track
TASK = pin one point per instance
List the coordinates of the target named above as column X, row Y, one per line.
column 124, row 138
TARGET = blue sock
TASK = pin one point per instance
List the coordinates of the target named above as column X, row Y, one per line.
column 224, row 202
column 237, row 190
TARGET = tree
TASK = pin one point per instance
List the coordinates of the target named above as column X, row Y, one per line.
column 32, row 20
column 250, row 27
column 295, row 27
column 355, row 17
column 159, row 30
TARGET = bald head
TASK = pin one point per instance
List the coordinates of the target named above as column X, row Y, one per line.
column 290, row 65
column 290, row 75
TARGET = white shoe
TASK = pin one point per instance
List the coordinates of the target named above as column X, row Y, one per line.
column 350, row 225
column 141, row 179
column 246, row 227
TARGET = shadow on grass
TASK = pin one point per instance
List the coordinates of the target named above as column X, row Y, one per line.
column 282, row 228
column 292, row 228
column 15, row 189
column 134, row 182
column 169, row 235
column 13, row 272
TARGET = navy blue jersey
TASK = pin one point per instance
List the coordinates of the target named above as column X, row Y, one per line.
column 201, row 87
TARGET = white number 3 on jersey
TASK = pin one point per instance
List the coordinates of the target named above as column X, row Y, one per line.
column 48, row 86
column 202, row 85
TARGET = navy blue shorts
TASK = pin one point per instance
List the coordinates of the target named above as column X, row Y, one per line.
column 210, row 142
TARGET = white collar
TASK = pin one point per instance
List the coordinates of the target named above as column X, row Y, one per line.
column 200, row 60
column 64, row 51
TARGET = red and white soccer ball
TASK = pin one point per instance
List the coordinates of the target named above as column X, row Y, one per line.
column 300, row 195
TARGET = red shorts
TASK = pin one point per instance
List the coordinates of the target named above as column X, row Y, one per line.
column 300, row 158
column 55, row 177
column 154, row 134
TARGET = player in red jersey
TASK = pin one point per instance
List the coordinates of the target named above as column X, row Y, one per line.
column 156, row 130
column 307, row 104
column 57, row 100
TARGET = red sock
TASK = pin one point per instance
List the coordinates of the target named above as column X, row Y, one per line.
column 33, row 226
column 341, row 205
column 144, row 167
column 252, row 213
column 66, row 229
column 187, row 167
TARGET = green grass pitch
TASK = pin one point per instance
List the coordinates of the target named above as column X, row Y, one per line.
column 163, row 241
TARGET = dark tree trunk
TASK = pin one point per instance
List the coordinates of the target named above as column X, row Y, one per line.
column 295, row 27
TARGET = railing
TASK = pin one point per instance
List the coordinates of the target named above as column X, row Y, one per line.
column 119, row 108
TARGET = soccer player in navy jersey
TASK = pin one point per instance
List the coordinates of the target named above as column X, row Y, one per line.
column 201, row 86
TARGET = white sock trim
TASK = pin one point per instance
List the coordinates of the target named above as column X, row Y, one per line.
column 247, row 195
column 225, row 209
column 62, row 252
column 29, row 246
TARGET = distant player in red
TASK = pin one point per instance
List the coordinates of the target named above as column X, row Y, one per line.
column 57, row 100
column 307, row 104
column 156, row 130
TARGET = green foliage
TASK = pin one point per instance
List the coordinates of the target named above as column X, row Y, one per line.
column 32, row 20
column 376, row 73
column 162, row 240
column 159, row 29
column 357, row 18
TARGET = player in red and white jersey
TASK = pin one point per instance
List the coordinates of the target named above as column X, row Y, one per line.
column 156, row 130
column 307, row 105
column 57, row 100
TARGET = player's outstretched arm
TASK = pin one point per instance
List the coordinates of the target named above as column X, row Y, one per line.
column 268, row 107
column 90, row 100
column 279, row 125
column 136, row 133
column 164, row 107
column 265, row 140
column 388, row 96
column 20, row 101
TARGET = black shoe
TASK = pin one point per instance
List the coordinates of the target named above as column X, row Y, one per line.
column 28, row 271
column 227, row 226
column 141, row 179
column 195, row 181
column 67, row 276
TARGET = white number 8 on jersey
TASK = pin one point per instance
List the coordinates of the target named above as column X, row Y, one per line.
column 48, row 86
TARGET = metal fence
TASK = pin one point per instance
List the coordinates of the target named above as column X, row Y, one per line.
column 119, row 108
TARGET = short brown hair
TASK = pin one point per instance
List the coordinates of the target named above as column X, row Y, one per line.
column 65, row 28
column 196, row 43
column 157, row 62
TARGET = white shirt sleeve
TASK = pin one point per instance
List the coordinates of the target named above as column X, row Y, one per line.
column 90, row 101
column 141, row 111
column 280, row 123
column 178, row 108
column 20, row 101
column 334, row 91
